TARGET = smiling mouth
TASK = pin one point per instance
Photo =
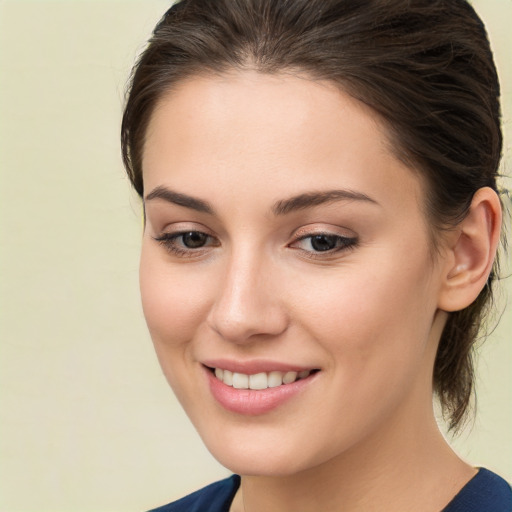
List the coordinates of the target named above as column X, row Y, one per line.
column 261, row 380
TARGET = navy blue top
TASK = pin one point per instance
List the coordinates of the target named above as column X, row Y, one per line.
column 485, row 492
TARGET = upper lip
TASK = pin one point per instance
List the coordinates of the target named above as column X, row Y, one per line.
column 255, row 366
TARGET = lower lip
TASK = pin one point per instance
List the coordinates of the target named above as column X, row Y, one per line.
column 253, row 402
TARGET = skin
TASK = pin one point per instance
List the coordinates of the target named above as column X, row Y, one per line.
column 362, row 434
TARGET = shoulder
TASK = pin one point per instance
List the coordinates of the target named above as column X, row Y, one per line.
column 216, row 497
column 485, row 492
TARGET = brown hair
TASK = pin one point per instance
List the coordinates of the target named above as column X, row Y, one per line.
column 425, row 66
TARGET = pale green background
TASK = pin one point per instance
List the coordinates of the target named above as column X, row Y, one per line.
column 87, row 422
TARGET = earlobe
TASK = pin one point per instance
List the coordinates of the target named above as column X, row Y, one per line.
column 472, row 252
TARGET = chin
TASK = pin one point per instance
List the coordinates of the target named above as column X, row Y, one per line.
column 247, row 455
column 260, row 464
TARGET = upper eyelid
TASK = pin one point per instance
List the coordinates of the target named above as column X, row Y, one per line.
column 179, row 232
column 324, row 233
column 181, row 228
column 184, row 227
column 307, row 231
column 350, row 239
column 172, row 235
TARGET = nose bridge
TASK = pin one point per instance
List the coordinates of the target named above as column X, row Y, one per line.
column 246, row 301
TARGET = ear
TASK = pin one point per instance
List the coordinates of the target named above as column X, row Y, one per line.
column 471, row 252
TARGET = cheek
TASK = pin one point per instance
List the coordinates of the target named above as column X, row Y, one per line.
column 374, row 329
column 174, row 304
column 173, row 301
column 372, row 317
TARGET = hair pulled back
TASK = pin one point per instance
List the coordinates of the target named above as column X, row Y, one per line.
column 425, row 66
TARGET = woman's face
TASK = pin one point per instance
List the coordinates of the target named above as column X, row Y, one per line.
column 285, row 241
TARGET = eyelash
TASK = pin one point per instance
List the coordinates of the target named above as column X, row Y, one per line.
column 342, row 243
column 170, row 242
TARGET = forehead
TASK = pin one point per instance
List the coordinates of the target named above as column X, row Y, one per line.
column 268, row 109
column 254, row 130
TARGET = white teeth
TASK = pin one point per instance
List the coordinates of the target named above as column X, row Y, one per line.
column 275, row 379
column 289, row 377
column 228, row 378
column 259, row 380
column 240, row 381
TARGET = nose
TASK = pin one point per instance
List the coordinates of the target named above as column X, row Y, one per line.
column 247, row 305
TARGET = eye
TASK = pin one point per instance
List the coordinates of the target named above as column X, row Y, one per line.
column 194, row 239
column 186, row 243
column 324, row 243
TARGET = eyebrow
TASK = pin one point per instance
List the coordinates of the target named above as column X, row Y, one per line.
column 310, row 199
column 282, row 207
column 180, row 199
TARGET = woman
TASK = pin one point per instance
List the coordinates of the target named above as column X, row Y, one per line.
column 321, row 227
